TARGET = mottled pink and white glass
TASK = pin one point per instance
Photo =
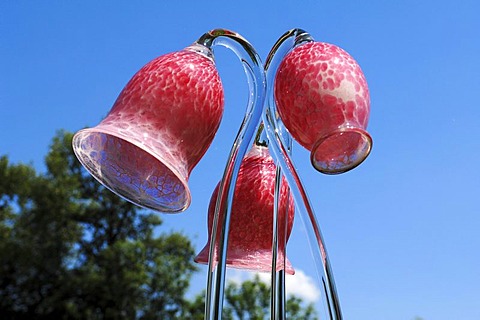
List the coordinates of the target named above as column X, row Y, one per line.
column 323, row 100
column 251, row 222
column 160, row 126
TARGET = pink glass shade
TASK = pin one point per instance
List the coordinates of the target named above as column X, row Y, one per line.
column 160, row 126
column 323, row 100
column 251, row 221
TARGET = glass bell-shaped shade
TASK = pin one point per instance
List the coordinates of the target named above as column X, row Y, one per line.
column 251, row 221
column 323, row 100
column 160, row 126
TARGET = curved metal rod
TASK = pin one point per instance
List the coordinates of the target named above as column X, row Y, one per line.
column 280, row 145
column 254, row 71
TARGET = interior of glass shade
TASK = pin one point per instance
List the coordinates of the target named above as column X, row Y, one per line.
column 341, row 151
column 130, row 171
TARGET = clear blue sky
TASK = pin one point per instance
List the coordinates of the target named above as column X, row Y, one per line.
column 402, row 230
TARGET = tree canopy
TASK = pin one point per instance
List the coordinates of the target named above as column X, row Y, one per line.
column 69, row 248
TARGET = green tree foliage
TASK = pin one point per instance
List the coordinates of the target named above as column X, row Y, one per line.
column 70, row 249
column 251, row 300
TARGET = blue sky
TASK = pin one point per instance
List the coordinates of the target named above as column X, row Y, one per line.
column 401, row 229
